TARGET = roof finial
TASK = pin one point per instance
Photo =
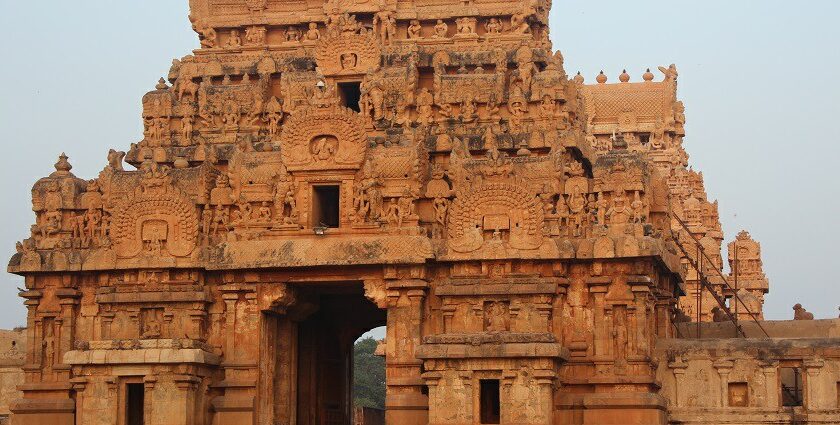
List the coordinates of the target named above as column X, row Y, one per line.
column 602, row 78
column 624, row 77
column 161, row 85
column 648, row 76
column 63, row 167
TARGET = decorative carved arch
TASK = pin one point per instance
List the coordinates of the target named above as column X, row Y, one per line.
column 332, row 50
column 306, row 127
column 520, row 206
column 140, row 211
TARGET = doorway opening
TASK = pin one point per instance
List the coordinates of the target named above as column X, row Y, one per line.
column 351, row 94
column 326, row 352
column 134, row 403
column 491, row 402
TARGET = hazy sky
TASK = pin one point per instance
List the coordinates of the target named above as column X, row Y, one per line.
column 755, row 76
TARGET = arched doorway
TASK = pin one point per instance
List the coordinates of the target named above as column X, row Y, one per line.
column 314, row 342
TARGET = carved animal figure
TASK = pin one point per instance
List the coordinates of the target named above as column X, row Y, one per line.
column 799, row 313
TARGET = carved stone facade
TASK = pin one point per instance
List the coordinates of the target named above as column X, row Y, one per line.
column 652, row 120
column 316, row 170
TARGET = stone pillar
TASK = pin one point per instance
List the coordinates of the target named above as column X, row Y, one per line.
column 679, row 367
column 405, row 402
column 598, row 287
column 770, row 370
column 723, row 367
column 816, row 395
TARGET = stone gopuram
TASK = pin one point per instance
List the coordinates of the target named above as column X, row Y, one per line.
column 316, row 170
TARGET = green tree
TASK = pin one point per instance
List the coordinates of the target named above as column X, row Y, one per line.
column 368, row 375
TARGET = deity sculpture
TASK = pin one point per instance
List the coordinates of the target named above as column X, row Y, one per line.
column 441, row 29
column 415, row 30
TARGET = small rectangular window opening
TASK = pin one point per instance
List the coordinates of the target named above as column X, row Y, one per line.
column 325, row 206
column 491, row 403
column 351, row 95
column 134, row 399
column 791, row 381
column 644, row 138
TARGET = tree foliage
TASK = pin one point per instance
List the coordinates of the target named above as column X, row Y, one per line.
column 368, row 375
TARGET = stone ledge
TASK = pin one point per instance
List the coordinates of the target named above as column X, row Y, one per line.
column 141, row 356
column 492, row 351
column 25, row 405
column 611, row 401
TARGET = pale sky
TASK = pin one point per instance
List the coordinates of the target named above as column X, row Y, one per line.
column 755, row 76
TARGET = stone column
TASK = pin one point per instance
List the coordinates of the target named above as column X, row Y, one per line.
column 598, row 287
column 405, row 402
column 816, row 396
column 679, row 367
column 770, row 370
column 723, row 367
column 68, row 299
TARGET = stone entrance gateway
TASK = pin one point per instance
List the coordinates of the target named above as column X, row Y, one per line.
column 317, row 169
column 308, row 373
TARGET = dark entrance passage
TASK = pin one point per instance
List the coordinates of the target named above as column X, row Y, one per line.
column 341, row 314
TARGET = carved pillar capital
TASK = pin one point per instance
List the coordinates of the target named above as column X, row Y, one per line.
column 276, row 297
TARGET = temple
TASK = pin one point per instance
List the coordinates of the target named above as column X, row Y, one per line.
column 534, row 245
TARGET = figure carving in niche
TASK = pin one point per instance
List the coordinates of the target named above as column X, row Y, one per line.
column 493, row 26
column 313, row 34
column 324, row 148
column 441, row 29
column 638, row 208
column 441, row 207
column 468, row 109
column 406, row 205
column 415, row 30
column 255, row 36
column 620, row 336
column 373, row 101
column 187, row 123
column 619, row 212
column 577, row 212
column 425, row 107
column 234, row 40
column 272, row 116
column 264, row 213
column 333, row 21
column 392, row 214
column 206, row 219
column 349, row 61
column 518, row 108
column 221, row 218
column 48, row 346
column 496, row 314
column 291, row 216
column 465, row 26
column 231, row 114
column 601, row 206
column 385, row 23
column 367, row 202
column 152, row 318
column 292, row 34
